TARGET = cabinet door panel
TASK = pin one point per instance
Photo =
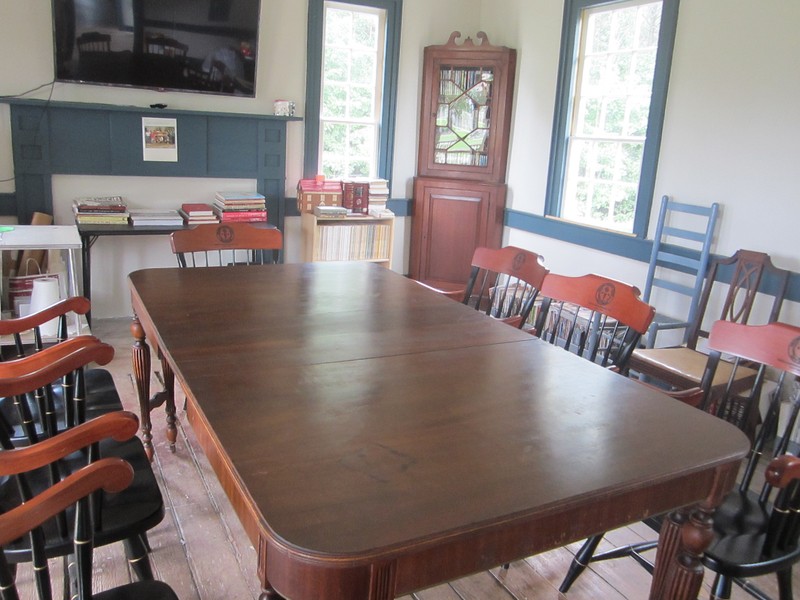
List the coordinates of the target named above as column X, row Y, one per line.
column 453, row 233
column 451, row 219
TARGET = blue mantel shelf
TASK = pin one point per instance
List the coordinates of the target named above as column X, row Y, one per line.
column 99, row 139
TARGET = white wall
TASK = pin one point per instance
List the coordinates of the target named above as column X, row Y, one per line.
column 730, row 135
column 730, row 132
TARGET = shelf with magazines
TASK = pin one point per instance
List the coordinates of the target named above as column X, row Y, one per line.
column 347, row 238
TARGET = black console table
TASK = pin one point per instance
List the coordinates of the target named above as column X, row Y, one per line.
column 89, row 235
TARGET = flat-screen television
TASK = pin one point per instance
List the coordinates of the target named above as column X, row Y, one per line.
column 185, row 45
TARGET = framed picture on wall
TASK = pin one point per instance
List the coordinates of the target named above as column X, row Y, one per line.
column 159, row 139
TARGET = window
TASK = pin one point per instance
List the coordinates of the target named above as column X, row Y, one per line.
column 352, row 75
column 610, row 102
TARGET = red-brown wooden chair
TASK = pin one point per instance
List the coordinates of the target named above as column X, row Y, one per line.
column 595, row 317
column 503, row 283
column 224, row 244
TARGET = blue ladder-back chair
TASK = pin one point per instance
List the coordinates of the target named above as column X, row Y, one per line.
column 681, row 244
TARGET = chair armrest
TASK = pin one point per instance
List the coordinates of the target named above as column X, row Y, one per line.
column 655, row 327
column 457, row 294
column 782, row 470
column 76, row 304
column 692, row 396
column 38, row 370
column 120, row 425
column 111, row 474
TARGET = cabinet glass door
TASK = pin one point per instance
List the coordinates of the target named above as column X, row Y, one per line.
column 463, row 116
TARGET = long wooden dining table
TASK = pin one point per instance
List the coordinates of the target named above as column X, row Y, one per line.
column 376, row 438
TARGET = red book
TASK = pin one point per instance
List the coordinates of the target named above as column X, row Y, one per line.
column 197, row 209
column 356, row 196
column 243, row 217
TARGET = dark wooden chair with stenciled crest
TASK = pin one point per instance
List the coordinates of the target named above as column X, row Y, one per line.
column 126, row 516
column 503, row 283
column 27, row 335
column 756, row 527
column 226, row 244
column 75, row 495
column 595, row 317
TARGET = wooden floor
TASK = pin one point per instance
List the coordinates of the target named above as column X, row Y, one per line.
column 201, row 550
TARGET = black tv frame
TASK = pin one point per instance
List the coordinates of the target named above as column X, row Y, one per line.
column 209, row 34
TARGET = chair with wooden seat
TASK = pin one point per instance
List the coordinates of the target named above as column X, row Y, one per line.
column 225, row 244
column 120, row 517
column 751, row 537
column 595, row 317
column 503, row 282
column 749, row 273
column 679, row 261
column 71, row 496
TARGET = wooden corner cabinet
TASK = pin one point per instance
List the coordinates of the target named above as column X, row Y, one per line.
column 465, row 124
column 364, row 238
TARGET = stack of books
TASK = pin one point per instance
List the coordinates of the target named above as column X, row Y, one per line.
column 378, row 193
column 195, row 213
column 150, row 217
column 101, row 210
column 240, row 207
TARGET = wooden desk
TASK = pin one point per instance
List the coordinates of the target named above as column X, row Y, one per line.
column 376, row 438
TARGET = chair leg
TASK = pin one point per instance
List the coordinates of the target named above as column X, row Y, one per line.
column 721, row 588
column 136, row 553
column 580, row 562
column 785, row 584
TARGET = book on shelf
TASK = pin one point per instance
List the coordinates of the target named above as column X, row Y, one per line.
column 380, row 213
column 354, row 242
column 249, row 216
column 155, row 217
column 238, row 196
column 101, row 219
column 239, row 206
column 198, row 220
column 355, row 195
column 106, row 204
column 197, row 209
column 330, row 212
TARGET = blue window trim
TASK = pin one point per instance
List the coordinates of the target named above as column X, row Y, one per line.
column 316, row 12
column 567, row 64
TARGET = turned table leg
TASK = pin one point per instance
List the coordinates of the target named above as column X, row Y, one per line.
column 169, row 388
column 685, row 534
column 141, row 375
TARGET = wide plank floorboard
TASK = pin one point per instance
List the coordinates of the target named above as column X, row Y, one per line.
column 201, row 550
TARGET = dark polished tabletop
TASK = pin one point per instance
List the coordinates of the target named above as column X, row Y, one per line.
column 376, row 438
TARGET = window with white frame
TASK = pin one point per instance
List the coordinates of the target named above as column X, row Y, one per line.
column 610, row 108
column 352, row 83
